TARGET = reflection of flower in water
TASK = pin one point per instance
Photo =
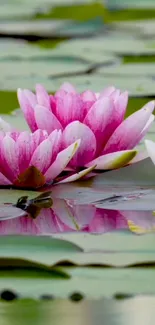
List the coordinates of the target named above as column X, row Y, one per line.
column 107, row 220
column 140, row 221
column 66, row 216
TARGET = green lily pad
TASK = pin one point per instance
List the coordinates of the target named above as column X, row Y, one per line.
column 125, row 70
column 143, row 28
column 18, row 74
column 138, row 174
column 80, row 249
column 126, row 4
column 118, row 43
column 137, row 86
column 13, row 10
column 20, row 50
column 42, row 250
column 87, row 28
column 27, row 27
column 85, row 52
column 91, row 283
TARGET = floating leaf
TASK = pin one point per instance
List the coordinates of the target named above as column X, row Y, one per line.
column 91, row 283
column 125, row 70
column 137, row 86
column 27, row 73
column 80, row 249
column 33, row 27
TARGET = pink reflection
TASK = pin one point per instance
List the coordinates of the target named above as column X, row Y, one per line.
column 66, row 216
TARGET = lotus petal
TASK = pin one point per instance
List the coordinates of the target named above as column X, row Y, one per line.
column 77, row 130
column 27, row 108
column 45, row 119
column 9, row 158
column 42, row 156
column 100, row 120
column 61, row 161
column 77, row 176
column 129, row 130
column 25, row 147
column 113, row 160
column 43, row 98
column 69, row 108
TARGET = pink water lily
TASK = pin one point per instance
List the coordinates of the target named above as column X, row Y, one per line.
column 33, row 159
column 107, row 140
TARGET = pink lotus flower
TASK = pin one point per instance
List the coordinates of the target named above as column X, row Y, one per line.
column 107, row 140
column 31, row 160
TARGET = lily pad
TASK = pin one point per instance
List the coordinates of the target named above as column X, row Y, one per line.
column 145, row 28
column 21, row 50
column 116, row 44
column 12, row 74
column 139, row 174
column 110, row 243
column 41, row 250
column 80, row 249
column 126, row 4
column 88, row 54
column 126, row 70
column 87, row 28
column 34, row 27
column 137, row 86
column 91, row 283
column 13, row 10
